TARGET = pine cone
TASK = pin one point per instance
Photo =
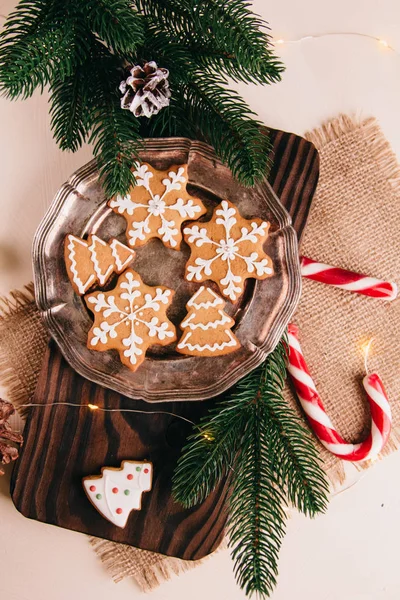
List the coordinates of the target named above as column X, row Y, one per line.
column 146, row 90
column 7, row 437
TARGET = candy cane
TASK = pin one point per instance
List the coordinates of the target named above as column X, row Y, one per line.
column 319, row 420
column 347, row 280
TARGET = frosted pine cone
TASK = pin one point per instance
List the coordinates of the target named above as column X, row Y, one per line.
column 146, row 90
column 8, row 451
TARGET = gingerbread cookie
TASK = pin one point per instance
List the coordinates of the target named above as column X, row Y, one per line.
column 116, row 492
column 93, row 260
column 207, row 328
column 228, row 249
column 157, row 205
column 130, row 318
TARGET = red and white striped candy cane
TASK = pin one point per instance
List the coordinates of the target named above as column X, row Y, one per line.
column 319, row 420
column 347, row 280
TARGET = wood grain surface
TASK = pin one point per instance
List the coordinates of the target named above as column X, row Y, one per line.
column 64, row 444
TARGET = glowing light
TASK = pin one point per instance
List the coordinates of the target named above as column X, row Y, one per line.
column 366, row 348
column 382, row 42
column 208, row 436
column 93, row 407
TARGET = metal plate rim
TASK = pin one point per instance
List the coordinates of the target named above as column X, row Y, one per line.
column 230, row 377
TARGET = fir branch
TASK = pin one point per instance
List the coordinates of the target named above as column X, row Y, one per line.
column 292, row 451
column 242, row 33
column 70, row 117
column 50, row 43
column 255, row 437
column 114, row 132
column 203, row 108
column 116, row 23
column 165, row 49
column 208, row 455
column 117, row 144
column 221, row 118
column 213, row 60
column 223, row 36
column 256, row 523
column 40, row 40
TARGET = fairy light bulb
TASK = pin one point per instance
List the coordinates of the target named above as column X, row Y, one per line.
column 366, row 349
column 93, row 407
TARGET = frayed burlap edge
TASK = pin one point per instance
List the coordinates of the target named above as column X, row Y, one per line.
column 16, row 299
column 10, row 305
column 123, row 561
column 381, row 149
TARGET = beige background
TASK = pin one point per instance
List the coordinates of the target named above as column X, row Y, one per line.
column 352, row 552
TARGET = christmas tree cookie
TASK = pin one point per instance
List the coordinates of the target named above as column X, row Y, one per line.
column 92, row 261
column 157, row 205
column 207, row 328
column 116, row 492
column 228, row 250
column 130, row 318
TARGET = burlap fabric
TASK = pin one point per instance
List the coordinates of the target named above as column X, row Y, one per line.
column 353, row 224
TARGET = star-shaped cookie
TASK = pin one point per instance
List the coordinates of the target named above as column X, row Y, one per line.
column 228, row 249
column 157, row 205
column 130, row 318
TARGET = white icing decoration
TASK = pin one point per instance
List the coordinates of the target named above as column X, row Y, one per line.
column 115, row 248
column 102, row 277
column 82, row 286
column 204, row 326
column 227, row 250
column 156, row 206
column 218, row 321
column 111, row 479
column 130, row 314
column 184, row 343
column 101, row 265
column 210, row 304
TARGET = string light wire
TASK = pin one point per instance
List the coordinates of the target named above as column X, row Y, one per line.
column 381, row 41
column 94, row 407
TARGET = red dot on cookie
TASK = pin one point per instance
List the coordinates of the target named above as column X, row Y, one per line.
column 119, row 511
column 115, row 490
column 130, row 476
column 145, row 471
column 92, row 488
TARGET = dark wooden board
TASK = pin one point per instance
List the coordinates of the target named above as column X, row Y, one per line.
column 294, row 175
column 64, row 444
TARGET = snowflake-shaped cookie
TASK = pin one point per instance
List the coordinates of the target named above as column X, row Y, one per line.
column 130, row 318
column 228, row 250
column 157, row 205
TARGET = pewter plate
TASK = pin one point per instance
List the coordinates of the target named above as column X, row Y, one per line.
column 261, row 313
